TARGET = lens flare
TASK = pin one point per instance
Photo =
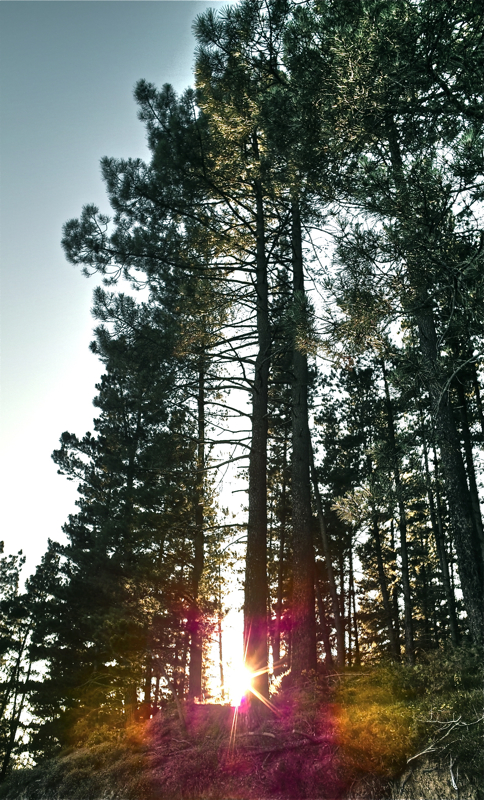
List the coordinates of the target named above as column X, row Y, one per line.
column 240, row 683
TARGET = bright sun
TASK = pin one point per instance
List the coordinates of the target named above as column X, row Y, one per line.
column 239, row 684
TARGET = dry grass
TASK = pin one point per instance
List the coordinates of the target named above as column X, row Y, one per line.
column 334, row 737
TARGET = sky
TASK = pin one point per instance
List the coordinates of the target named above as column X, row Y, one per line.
column 67, row 74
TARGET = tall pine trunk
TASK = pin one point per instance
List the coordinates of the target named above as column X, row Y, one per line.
column 466, row 541
column 195, row 620
column 256, row 584
column 460, row 508
column 303, row 602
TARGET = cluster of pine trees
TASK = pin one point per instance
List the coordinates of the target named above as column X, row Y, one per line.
column 307, row 244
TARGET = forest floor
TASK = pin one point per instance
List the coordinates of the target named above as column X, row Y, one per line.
column 386, row 732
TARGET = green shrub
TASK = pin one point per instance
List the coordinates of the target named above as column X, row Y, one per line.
column 391, row 713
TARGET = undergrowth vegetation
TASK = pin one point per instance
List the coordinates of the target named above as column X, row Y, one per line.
column 342, row 735
column 394, row 715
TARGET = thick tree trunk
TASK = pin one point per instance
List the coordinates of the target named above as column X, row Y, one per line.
column 467, row 548
column 195, row 621
column 303, row 602
column 256, row 588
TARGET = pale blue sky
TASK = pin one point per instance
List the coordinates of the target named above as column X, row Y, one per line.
column 67, row 73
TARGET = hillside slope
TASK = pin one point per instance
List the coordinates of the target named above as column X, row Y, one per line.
column 390, row 732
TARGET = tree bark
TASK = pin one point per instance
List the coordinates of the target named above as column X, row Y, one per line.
column 304, row 655
column 460, row 509
column 195, row 621
column 421, row 308
column 256, row 585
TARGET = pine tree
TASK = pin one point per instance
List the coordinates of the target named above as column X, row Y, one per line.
column 398, row 134
column 16, row 625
